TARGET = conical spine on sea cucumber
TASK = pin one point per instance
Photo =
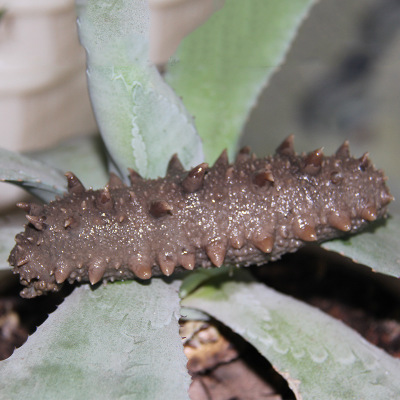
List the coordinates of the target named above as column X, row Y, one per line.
column 249, row 212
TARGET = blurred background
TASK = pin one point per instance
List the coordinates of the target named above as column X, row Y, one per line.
column 341, row 80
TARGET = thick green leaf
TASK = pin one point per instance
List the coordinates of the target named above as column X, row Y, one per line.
column 376, row 248
column 319, row 356
column 142, row 121
column 221, row 68
column 10, row 225
column 35, row 176
column 197, row 278
column 85, row 156
column 120, row 341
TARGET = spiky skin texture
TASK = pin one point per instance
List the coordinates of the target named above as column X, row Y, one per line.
column 250, row 212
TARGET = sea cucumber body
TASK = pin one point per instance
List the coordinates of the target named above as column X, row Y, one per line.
column 249, row 212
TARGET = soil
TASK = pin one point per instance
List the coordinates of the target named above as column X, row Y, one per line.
column 223, row 366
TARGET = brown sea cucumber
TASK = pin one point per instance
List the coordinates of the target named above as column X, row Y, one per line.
column 249, row 212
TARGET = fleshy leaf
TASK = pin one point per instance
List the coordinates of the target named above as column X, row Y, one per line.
column 190, row 314
column 198, row 277
column 84, row 156
column 35, row 176
column 10, row 225
column 142, row 121
column 108, row 343
column 376, row 248
column 221, row 68
column 319, row 356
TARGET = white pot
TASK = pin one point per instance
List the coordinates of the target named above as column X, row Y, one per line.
column 43, row 91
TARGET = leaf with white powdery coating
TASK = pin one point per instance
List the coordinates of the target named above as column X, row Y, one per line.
column 221, row 68
column 35, row 176
column 142, row 121
column 320, row 357
column 108, row 343
column 84, row 156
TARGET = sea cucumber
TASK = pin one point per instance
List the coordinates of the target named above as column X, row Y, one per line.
column 249, row 212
